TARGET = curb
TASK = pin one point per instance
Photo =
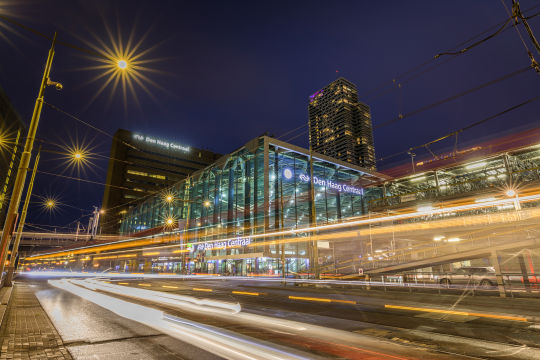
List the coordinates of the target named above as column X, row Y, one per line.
column 5, row 295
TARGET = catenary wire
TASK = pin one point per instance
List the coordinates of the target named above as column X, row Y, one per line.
column 465, row 128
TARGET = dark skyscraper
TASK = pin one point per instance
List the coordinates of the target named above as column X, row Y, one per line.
column 141, row 165
column 340, row 125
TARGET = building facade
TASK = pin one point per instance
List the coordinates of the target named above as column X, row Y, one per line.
column 340, row 126
column 12, row 131
column 223, row 211
column 141, row 165
column 425, row 222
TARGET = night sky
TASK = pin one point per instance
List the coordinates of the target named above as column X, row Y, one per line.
column 224, row 72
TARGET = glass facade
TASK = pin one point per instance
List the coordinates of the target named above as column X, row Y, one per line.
column 261, row 188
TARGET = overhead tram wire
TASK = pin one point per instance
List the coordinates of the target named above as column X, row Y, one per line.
column 453, row 97
column 403, row 79
column 53, row 107
column 465, row 49
column 59, row 203
column 465, row 128
column 291, row 131
column 47, row 37
column 297, row 136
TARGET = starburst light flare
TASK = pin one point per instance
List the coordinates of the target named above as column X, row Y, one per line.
column 122, row 65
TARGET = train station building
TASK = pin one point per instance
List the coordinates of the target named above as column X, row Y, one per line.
column 220, row 212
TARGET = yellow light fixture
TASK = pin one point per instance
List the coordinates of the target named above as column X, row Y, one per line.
column 510, row 193
column 122, row 64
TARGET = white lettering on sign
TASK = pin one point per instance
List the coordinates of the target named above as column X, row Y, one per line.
column 333, row 185
column 166, row 144
column 222, row 244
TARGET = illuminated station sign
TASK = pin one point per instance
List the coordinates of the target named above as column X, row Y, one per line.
column 159, row 142
column 233, row 243
column 288, row 174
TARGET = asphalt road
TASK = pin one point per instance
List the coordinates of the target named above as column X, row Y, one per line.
column 93, row 332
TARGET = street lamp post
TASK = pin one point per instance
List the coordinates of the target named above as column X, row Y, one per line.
column 15, row 249
column 18, row 186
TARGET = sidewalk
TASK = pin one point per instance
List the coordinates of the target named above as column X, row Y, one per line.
column 26, row 331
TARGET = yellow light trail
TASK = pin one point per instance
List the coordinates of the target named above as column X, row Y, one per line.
column 471, row 220
column 144, row 284
column 246, row 293
column 310, row 299
column 170, row 287
column 452, row 312
column 202, row 289
column 344, row 301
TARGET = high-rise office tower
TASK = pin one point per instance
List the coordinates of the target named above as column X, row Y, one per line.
column 340, row 125
column 141, row 165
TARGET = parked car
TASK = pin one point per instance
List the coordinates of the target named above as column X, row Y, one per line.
column 482, row 276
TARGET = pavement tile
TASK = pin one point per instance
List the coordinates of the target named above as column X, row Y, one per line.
column 26, row 332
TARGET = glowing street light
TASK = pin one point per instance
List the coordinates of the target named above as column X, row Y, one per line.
column 169, row 221
column 122, row 64
column 49, row 204
column 169, row 198
column 513, row 193
column 510, row 193
column 207, row 203
column 77, row 156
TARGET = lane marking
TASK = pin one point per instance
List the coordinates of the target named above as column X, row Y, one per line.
column 246, row 293
column 309, row 299
column 201, row 289
column 323, row 300
column 344, row 301
column 170, row 287
column 464, row 313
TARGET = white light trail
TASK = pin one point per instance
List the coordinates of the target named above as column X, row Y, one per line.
column 214, row 340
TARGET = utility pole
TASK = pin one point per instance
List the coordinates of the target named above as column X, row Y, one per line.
column 12, row 213
column 15, row 249
column 95, row 223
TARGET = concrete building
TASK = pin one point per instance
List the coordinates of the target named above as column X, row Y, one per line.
column 12, row 132
column 340, row 126
column 142, row 165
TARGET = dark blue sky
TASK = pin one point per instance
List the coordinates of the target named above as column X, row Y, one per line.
column 232, row 70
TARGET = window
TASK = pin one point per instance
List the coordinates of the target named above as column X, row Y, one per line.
column 140, row 173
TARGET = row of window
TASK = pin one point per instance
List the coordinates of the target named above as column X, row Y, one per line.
column 141, row 173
